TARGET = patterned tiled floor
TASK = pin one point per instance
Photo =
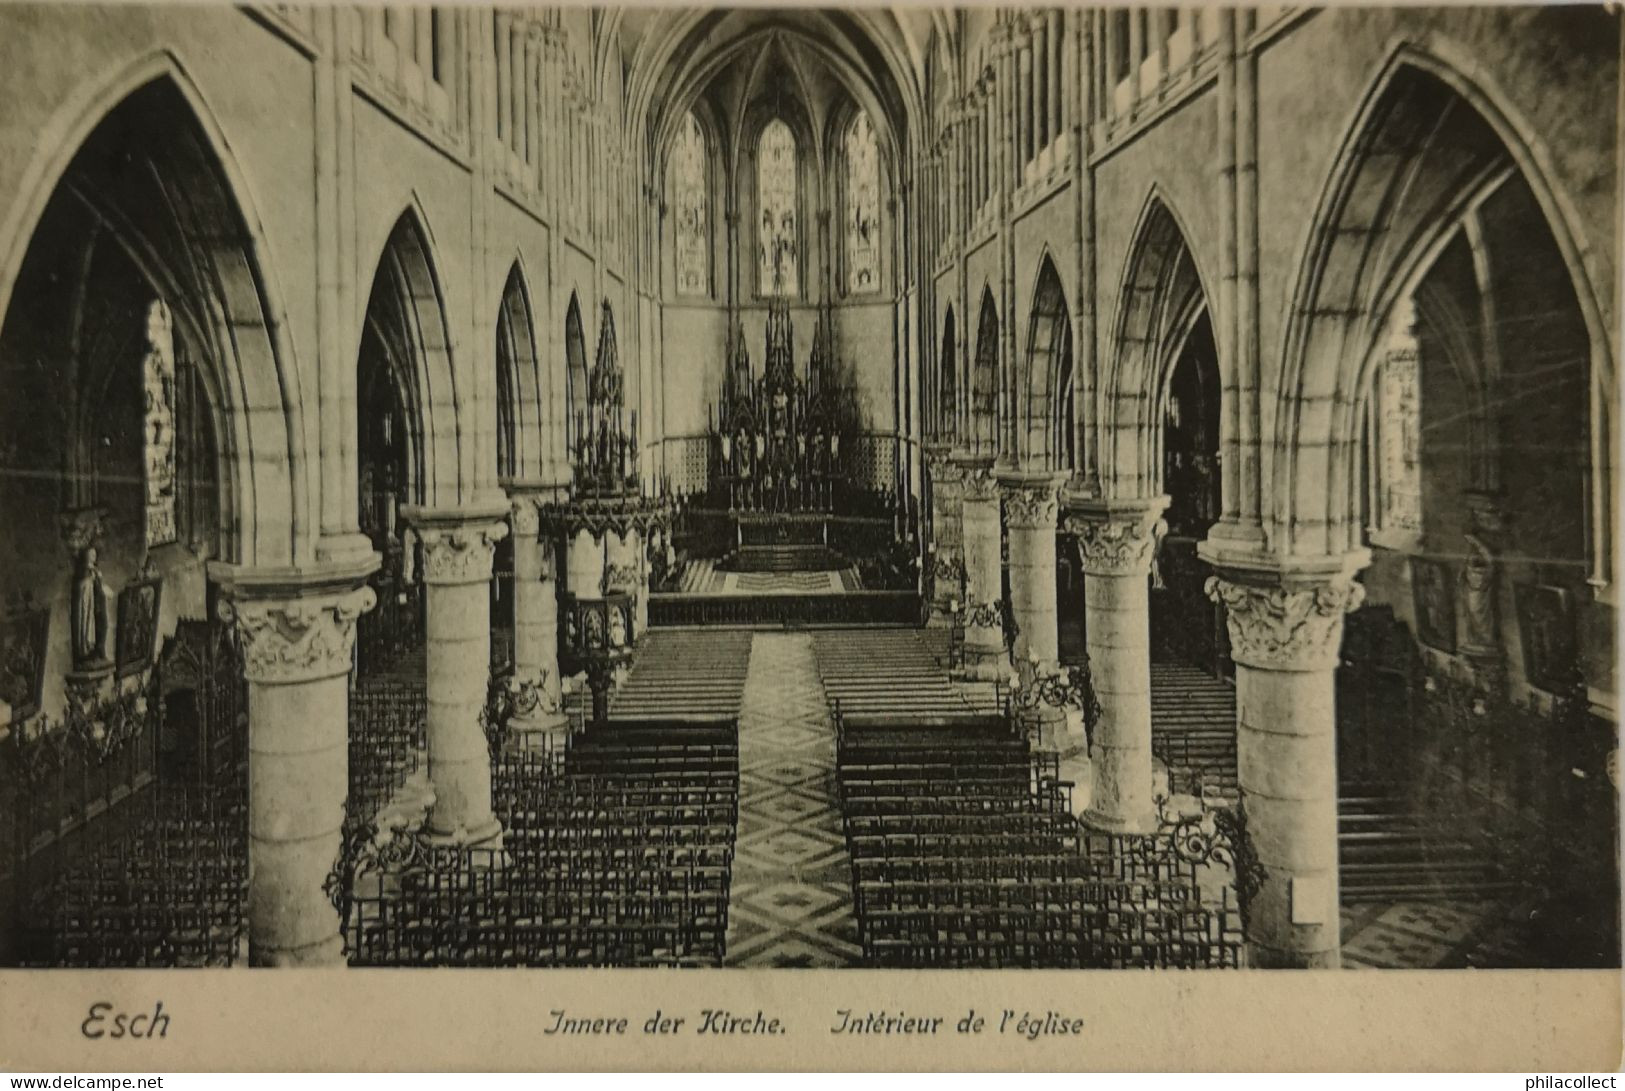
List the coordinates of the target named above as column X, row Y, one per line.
column 1431, row 935
column 790, row 903
column 702, row 577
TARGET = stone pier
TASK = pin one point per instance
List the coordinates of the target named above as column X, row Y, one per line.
column 1285, row 632
column 1116, row 543
column 458, row 547
column 298, row 632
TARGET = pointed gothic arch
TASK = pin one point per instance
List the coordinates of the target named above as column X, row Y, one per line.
column 575, row 372
column 184, row 226
column 1426, row 148
column 690, row 155
column 947, row 417
column 519, row 409
column 984, row 407
column 405, row 326
column 1043, row 432
column 1159, row 306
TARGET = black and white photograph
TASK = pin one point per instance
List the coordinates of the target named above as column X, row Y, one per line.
column 785, row 489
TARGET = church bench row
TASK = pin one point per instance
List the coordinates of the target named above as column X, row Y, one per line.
column 870, row 806
column 650, row 767
column 575, row 797
column 1048, row 924
column 541, row 858
column 1022, row 822
column 985, row 787
column 606, row 804
column 978, row 844
column 540, row 944
column 948, row 765
column 713, row 827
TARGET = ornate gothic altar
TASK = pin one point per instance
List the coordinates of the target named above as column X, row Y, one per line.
column 780, row 444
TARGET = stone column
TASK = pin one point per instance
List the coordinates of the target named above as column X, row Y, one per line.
column 540, row 710
column 1116, row 543
column 1024, row 102
column 1285, row 629
column 458, row 545
column 947, row 554
column 297, row 637
column 985, row 658
column 1031, row 506
column 641, row 614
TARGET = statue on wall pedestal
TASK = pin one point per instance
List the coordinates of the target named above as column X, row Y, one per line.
column 1481, row 638
column 89, row 614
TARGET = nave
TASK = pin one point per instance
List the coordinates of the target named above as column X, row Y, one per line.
column 770, row 798
column 605, row 486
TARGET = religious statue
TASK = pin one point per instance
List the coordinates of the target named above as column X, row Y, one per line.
column 595, row 630
column 1433, row 591
column 89, row 613
column 1478, row 597
column 617, row 627
column 409, row 556
column 1159, row 534
column 369, row 502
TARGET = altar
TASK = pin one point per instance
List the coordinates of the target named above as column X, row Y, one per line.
column 783, row 532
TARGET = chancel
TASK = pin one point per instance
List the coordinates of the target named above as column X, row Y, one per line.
column 1051, row 488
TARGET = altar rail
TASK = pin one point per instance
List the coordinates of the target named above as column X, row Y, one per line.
column 790, row 611
column 873, row 462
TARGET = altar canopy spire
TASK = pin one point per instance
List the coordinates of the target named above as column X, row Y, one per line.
column 604, row 385
column 606, row 454
column 777, row 445
column 781, row 368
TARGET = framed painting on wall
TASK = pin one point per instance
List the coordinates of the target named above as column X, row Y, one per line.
column 1433, row 591
column 24, row 636
column 137, row 626
column 1546, row 630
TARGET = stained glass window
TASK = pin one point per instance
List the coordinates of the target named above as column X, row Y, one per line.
column 1399, row 426
column 688, row 202
column 862, row 208
column 158, row 386
column 776, row 238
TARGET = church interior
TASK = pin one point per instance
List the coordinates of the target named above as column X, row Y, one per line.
column 774, row 487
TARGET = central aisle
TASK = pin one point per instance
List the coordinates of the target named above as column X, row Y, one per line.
column 790, row 903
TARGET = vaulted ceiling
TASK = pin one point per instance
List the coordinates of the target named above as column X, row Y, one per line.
column 725, row 60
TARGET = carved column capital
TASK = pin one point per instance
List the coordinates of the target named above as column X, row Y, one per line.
column 948, row 483
column 458, row 544
column 299, row 639
column 1031, row 503
column 453, row 555
column 526, row 519
column 1118, row 538
column 978, row 484
column 1283, row 628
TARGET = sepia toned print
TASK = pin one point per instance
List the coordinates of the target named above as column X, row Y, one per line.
column 1053, row 488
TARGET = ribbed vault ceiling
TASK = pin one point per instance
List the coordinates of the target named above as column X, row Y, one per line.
column 727, row 59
